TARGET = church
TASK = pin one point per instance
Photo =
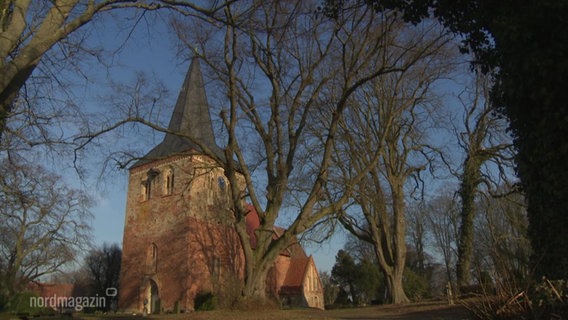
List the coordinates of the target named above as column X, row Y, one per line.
column 178, row 239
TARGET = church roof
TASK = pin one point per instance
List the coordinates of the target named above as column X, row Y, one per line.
column 190, row 124
column 294, row 249
column 296, row 275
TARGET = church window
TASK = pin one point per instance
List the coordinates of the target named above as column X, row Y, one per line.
column 210, row 183
column 152, row 258
column 215, row 268
column 148, row 189
column 147, row 184
column 315, row 283
column 144, row 190
column 168, row 181
column 154, row 252
column 221, row 182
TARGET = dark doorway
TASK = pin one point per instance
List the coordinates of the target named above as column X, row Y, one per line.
column 153, row 297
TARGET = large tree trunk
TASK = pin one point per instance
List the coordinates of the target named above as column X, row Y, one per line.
column 5, row 110
column 393, row 281
column 259, row 258
column 468, row 187
column 9, row 93
column 255, row 283
column 388, row 238
column 393, row 270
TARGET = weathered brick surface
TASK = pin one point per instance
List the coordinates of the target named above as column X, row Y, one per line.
column 178, row 235
column 179, row 244
column 179, row 240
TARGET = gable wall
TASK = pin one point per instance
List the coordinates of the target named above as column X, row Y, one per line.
column 312, row 286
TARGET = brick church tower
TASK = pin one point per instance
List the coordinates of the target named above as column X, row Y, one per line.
column 179, row 238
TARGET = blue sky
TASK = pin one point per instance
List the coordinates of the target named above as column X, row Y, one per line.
column 150, row 49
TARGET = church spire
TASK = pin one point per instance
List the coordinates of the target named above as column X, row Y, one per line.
column 191, row 113
column 190, row 124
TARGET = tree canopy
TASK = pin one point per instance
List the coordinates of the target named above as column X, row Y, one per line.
column 44, row 225
column 523, row 44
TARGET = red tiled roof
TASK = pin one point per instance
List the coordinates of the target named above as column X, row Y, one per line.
column 295, row 276
column 253, row 223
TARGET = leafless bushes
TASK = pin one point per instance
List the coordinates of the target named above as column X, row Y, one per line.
column 543, row 300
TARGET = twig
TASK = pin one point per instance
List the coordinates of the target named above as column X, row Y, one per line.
column 554, row 290
column 510, row 301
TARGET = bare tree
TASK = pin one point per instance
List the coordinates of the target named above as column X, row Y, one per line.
column 280, row 66
column 502, row 240
column 391, row 116
column 44, row 224
column 103, row 269
column 330, row 290
column 39, row 39
column 483, row 141
column 443, row 224
column 360, row 250
column 416, row 215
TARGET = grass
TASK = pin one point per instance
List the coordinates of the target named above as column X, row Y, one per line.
column 416, row 311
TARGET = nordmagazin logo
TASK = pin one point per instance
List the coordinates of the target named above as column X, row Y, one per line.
column 76, row 303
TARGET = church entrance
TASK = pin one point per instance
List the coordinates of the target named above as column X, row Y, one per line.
column 152, row 299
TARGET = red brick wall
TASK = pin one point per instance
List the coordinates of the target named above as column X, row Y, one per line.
column 188, row 248
column 183, row 242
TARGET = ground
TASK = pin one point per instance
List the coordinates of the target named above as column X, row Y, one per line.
column 421, row 311
column 416, row 311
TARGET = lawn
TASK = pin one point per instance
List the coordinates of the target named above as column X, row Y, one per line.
column 416, row 311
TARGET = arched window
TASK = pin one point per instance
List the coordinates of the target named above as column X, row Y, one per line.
column 152, row 258
column 169, row 181
column 146, row 190
column 210, row 185
column 216, row 268
column 221, row 182
column 315, row 279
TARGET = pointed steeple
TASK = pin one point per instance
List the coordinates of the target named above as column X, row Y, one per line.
column 191, row 114
column 190, row 121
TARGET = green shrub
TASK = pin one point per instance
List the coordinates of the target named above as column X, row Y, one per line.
column 3, row 302
column 20, row 303
column 415, row 286
column 205, row 301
